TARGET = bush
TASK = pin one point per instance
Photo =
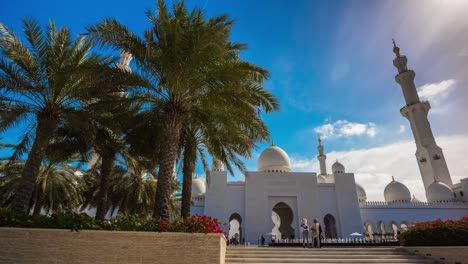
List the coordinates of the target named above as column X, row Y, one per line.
column 437, row 233
column 59, row 220
column 125, row 222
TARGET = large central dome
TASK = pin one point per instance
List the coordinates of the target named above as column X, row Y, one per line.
column 274, row 159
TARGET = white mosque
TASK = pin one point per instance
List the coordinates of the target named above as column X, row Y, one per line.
column 273, row 199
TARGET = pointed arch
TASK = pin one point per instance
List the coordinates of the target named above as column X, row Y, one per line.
column 330, row 226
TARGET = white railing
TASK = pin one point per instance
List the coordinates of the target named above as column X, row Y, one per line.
column 357, row 240
column 406, row 204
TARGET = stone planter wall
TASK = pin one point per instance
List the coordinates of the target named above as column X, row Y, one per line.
column 18, row 245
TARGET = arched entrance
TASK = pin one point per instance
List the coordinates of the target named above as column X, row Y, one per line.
column 394, row 228
column 235, row 228
column 330, row 226
column 368, row 226
column 285, row 216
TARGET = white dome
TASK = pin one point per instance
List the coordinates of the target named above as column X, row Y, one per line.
column 274, row 159
column 361, row 193
column 198, row 187
column 321, row 179
column 217, row 165
column 396, row 192
column 338, row 168
column 439, row 192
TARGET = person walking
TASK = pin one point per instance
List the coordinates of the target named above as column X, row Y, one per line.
column 305, row 233
column 316, row 228
column 262, row 240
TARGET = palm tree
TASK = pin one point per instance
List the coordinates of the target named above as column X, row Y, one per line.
column 192, row 64
column 226, row 135
column 57, row 187
column 45, row 81
column 101, row 134
column 134, row 189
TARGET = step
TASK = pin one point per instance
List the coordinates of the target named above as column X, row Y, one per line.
column 301, row 248
column 331, row 262
column 319, row 260
column 237, row 256
column 317, row 252
column 283, row 255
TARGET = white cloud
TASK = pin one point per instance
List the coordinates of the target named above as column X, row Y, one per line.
column 326, row 130
column 345, row 128
column 434, row 92
column 374, row 167
column 402, row 129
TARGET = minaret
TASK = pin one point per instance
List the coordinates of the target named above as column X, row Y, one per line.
column 321, row 157
column 124, row 63
column 430, row 157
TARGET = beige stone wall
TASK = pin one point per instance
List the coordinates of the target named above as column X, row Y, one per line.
column 441, row 254
column 62, row 246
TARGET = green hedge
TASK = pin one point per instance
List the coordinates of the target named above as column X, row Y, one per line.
column 437, row 233
column 126, row 222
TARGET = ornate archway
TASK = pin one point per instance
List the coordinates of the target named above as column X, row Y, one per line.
column 330, row 226
column 286, row 216
column 235, row 227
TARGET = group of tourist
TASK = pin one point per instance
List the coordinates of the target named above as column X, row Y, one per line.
column 316, row 233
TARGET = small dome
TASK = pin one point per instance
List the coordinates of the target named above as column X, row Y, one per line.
column 361, row 193
column 217, row 165
column 338, row 168
column 439, row 192
column 396, row 192
column 274, row 159
column 321, row 179
column 198, row 187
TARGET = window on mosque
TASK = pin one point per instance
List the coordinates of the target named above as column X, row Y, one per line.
column 436, row 157
column 461, row 193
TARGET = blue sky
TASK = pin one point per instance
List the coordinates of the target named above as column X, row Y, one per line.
column 331, row 67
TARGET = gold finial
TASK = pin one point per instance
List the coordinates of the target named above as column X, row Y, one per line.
column 396, row 49
column 393, row 179
column 320, row 141
column 272, row 142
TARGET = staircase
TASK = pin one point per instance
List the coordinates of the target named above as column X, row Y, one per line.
column 254, row 255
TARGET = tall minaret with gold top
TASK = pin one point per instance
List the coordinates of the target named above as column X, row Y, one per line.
column 321, row 158
column 430, row 157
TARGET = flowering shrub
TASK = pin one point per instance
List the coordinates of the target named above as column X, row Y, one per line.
column 437, row 233
column 196, row 224
column 125, row 222
column 135, row 222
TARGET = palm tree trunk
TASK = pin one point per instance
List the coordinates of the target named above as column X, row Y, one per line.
column 46, row 124
column 37, row 209
column 108, row 158
column 188, row 169
column 172, row 126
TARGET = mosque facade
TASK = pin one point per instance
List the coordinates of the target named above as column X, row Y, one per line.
column 274, row 199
